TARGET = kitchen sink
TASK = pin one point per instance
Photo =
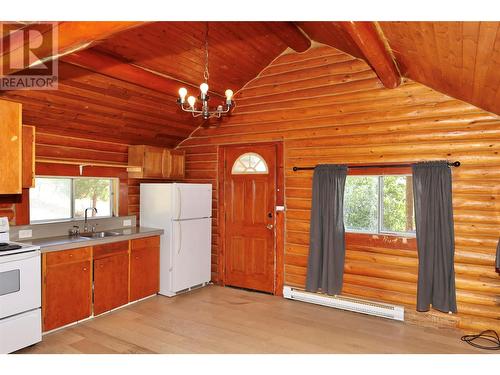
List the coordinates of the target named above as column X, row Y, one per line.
column 99, row 234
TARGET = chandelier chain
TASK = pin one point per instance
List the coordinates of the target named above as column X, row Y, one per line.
column 205, row 73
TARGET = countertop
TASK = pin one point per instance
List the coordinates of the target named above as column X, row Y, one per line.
column 66, row 242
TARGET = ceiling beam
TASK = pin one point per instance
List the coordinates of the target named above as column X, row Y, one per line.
column 370, row 41
column 291, row 35
column 110, row 66
column 72, row 36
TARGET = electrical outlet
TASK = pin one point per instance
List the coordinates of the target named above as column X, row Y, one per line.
column 127, row 231
column 127, row 223
column 25, row 233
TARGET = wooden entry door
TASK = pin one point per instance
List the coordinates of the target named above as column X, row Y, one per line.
column 249, row 204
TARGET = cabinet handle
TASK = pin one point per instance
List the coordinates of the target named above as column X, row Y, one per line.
column 71, row 255
column 137, row 257
column 85, row 268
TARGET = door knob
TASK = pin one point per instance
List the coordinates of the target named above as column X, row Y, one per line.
column 269, row 226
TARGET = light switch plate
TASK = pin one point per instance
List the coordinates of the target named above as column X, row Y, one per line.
column 280, row 208
column 25, row 233
column 127, row 223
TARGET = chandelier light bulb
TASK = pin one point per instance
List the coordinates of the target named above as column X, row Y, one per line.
column 204, row 88
column 204, row 109
column 182, row 93
column 191, row 101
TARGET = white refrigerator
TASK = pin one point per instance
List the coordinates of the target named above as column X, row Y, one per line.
column 184, row 212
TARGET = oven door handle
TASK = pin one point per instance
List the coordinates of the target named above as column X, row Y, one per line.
column 19, row 256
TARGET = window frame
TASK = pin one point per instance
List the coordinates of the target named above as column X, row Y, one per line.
column 113, row 199
column 246, row 172
column 380, row 209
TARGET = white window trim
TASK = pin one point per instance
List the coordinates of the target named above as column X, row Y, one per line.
column 114, row 208
column 380, row 211
column 249, row 172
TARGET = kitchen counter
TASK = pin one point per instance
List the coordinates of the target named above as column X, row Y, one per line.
column 67, row 242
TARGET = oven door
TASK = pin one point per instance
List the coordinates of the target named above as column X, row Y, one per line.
column 20, row 284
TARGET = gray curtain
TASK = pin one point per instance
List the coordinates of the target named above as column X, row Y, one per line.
column 325, row 267
column 435, row 236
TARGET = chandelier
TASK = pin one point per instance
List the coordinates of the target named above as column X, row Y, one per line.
column 204, row 110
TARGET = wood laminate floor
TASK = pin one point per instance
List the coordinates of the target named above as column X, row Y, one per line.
column 225, row 320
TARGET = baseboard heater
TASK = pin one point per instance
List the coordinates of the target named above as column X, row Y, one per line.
column 383, row 310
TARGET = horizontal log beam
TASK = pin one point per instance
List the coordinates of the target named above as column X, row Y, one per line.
column 72, row 36
column 369, row 40
column 112, row 67
column 290, row 34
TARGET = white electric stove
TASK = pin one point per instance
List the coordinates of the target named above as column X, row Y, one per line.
column 20, row 293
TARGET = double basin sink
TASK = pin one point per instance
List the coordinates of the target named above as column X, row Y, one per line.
column 98, row 234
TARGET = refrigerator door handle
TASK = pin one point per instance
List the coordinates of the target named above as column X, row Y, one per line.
column 180, row 238
column 176, row 244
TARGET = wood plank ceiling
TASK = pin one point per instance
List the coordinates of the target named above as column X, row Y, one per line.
column 459, row 59
column 95, row 103
column 123, row 88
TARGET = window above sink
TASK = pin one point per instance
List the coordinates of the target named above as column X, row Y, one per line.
column 66, row 198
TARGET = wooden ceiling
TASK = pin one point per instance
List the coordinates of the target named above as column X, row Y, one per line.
column 124, row 86
column 238, row 51
column 459, row 59
column 120, row 83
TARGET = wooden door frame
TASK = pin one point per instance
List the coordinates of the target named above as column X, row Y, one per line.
column 279, row 250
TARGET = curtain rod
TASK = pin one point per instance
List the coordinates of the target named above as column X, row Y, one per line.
column 352, row 166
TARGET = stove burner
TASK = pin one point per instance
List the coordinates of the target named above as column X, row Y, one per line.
column 8, row 247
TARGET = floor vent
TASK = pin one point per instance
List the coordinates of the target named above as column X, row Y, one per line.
column 347, row 303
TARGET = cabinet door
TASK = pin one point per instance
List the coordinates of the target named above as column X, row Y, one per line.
column 110, row 282
column 28, row 156
column 173, row 165
column 67, row 293
column 144, row 270
column 153, row 162
column 10, row 144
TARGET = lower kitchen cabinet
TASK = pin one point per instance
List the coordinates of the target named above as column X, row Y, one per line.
column 144, row 267
column 110, row 282
column 115, row 275
column 67, row 287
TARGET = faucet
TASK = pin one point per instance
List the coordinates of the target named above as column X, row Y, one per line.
column 86, row 226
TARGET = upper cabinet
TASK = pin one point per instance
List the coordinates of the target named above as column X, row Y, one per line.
column 156, row 162
column 11, row 146
column 28, row 148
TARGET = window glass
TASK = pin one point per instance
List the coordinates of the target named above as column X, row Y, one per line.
column 361, row 203
column 64, row 198
column 50, row 199
column 379, row 204
column 92, row 192
column 398, row 204
column 250, row 162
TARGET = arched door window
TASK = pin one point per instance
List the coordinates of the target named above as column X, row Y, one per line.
column 250, row 163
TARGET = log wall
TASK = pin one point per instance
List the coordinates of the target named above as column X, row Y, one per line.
column 328, row 107
column 59, row 147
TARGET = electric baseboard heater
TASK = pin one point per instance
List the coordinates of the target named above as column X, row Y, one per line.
column 382, row 310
